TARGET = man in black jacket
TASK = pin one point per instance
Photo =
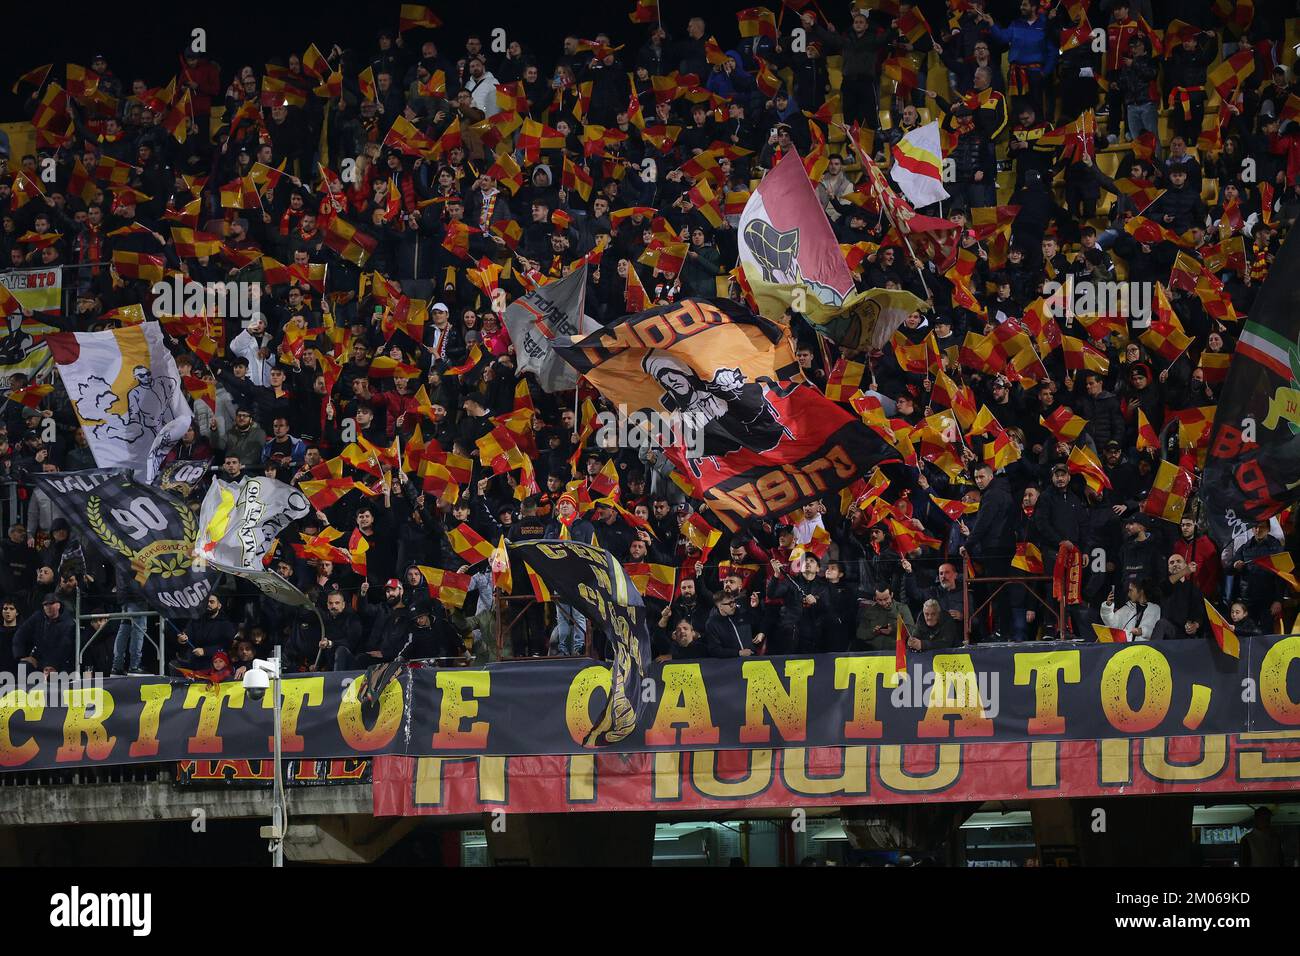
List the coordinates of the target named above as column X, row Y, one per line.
column 728, row 633
column 1142, row 556
column 687, row 643
column 204, row 636
column 1059, row 517
column 1101, row 409
column 45, row 640
column 390, row 630
column 860, row 52
column 342, row 630
column 806, row 607
column 992, row 540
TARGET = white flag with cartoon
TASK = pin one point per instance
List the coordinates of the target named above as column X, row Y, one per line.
column 127, row 394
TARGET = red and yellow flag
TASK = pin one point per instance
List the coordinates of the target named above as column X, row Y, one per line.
column 1028, row 558
column 414, row 15
column 900, row 647
column 469, row 544
column 1169, row 493
column 447, row 587
column 1147, row 439
column 1110, row 635
column 1224, row 636
column 1064, row 424
column 1281, row 564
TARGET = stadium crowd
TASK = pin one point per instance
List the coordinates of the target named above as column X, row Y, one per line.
column 546, row 159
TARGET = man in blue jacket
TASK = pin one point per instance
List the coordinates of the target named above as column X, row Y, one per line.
column 1032, row 53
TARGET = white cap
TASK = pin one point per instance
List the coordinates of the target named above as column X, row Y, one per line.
column 441, row 307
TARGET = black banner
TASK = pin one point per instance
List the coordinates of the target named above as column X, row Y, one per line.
column 995, row 694
column 146, row 534
column 187, row 478
column 752, row 438
column 591, row 580
column 1252, row 470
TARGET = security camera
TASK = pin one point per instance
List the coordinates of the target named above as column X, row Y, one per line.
column 255, row 683
column 258, row 678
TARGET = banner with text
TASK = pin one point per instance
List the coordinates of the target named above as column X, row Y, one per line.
column 993, row 695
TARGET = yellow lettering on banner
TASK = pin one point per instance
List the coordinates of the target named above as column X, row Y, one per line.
column 705, row 778
column 209, row 698
column 491, row 779
column 77, row 723
column 955, row 693
column 308, row 690
column 1046, row 670
column 1155, row 760
column 489, row 772
column 945, row 773
column 1273, row 673
column 581, row 774
column 577, row 707
column 668, row 775
column 1116, row 758
column 456, row 707
column 765, row 694
column 684, row 700
column 1255, row 763
column 352, row 723
column 850, row 781
column 1044, row 769
column 428, row 780
column 863, row 674
column 31, row 704
column 1158, row 690
column 153, row 696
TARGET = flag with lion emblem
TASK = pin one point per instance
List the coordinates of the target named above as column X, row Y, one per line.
column 127, row 394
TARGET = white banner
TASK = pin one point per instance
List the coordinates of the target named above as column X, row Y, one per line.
column 127, row 395
column 238, row 522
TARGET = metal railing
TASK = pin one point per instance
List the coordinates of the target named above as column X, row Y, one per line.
column 118, row 616
column 1000, row 582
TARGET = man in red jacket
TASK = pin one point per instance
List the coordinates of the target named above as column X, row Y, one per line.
column 1201, row 556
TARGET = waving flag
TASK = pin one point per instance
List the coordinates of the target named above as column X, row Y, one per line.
column 238, row 524
column 469, row 544
column 126, row 392
column 1169, row 493
column 1064, row 424
column 1224, row 636
column 787, row 249
column 917, row 166
column 747, row 418
column 533, row 320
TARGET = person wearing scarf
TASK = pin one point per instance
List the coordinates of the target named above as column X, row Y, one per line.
column 570, row 631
